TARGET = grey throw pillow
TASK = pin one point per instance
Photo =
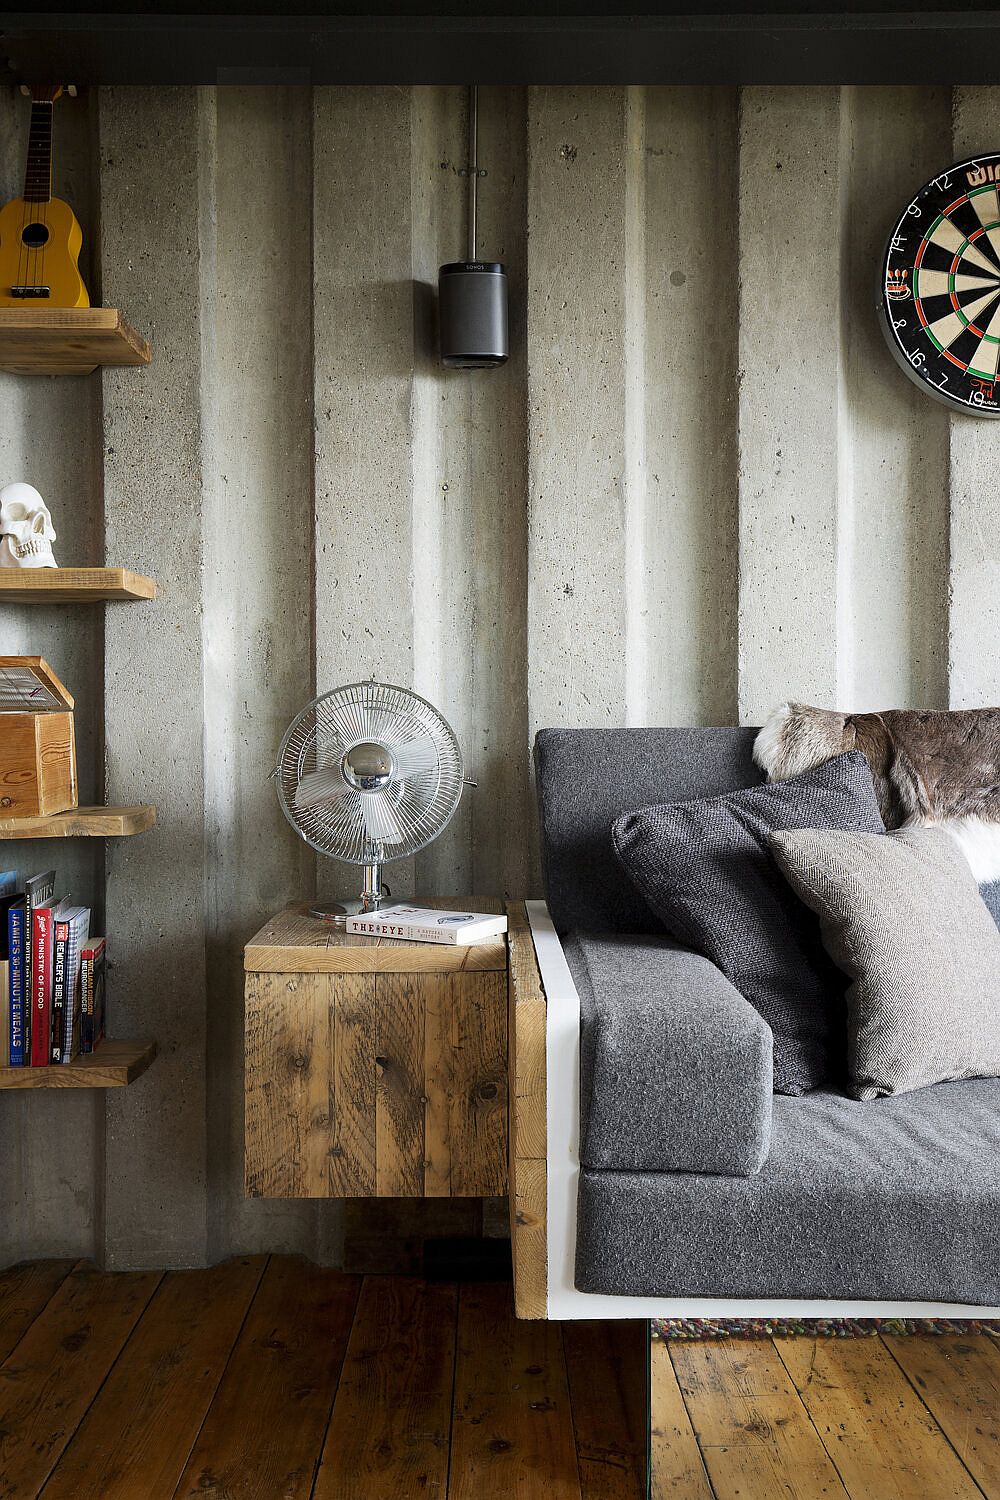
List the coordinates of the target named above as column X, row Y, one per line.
column 901, row 914
column 706, row 870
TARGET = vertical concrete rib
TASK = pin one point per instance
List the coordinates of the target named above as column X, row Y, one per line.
column 896, row 438
column 576, row 417
column 974, row 540
column 469, row 517
column 363, row 383
column 257, row 352
column 690, row 392
column 790, row 351
column 152, row 235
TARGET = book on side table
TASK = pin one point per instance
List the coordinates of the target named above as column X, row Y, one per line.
column 426, row 924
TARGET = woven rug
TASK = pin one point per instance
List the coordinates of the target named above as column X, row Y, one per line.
column 827, row 1328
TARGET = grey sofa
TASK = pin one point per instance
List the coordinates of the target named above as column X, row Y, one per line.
column 695, row 1179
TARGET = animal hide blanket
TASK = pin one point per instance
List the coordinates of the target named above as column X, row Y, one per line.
column 929, row 767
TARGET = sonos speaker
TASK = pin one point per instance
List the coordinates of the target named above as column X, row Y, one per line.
column 472, row 310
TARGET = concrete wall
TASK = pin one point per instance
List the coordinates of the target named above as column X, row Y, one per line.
column 700, row 485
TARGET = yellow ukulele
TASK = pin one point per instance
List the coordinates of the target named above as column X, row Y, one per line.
column 40, row 238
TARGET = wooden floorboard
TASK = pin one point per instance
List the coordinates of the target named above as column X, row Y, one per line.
column 136, row 1437
column 878, row 1432
column 609, row 1414
column 958, row 1378
column 272, row 1379
column 262, row 1436
column 391, row 1425
column 57, row 1368
column 513, row 1426
column 24, row 1291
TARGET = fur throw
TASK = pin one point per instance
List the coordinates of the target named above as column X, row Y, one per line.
column 928, row 767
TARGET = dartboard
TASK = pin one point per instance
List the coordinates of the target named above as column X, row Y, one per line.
column 940, row 287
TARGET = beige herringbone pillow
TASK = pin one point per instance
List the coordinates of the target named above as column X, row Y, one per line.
column 901, row 913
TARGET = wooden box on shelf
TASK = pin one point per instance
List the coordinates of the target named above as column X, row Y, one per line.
column 37, row 742
column 374, row 1068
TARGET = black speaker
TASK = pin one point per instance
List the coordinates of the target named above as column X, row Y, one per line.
column 472, row 312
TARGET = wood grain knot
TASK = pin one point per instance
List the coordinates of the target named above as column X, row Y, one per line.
column 487, row 1091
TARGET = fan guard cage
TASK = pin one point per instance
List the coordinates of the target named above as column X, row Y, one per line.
column 370, row 826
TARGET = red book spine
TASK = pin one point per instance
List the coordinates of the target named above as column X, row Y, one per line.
column 41, row 986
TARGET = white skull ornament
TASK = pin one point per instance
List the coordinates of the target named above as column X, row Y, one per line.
column 26, row 531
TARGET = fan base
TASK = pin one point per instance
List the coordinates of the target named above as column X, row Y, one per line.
column 338, row 912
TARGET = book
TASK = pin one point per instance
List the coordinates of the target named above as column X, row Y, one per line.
column 8, row 882
column 424, row 924
column 37, row 889
column 4, row 1013
column 71, row 929
column 93, row 964
column 15, row 980
column 40, row 991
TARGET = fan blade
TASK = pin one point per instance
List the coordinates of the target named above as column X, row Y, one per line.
column 415, row 758
column 380, row 821
column 326, row 785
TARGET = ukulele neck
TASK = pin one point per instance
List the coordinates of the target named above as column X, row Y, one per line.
column 38, row 172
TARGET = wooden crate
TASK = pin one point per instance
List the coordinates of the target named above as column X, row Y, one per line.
column 37, row 745
column 374, row 1068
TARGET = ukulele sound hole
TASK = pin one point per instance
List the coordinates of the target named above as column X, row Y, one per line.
column 34, row 236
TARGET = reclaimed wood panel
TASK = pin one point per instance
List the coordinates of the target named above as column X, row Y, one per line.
column 391, row 1424
column 309, row 1118
column 387, row 1085
column 293, row 941
column 51, row 1377
column 512, row 1431
column 399, row 1092
column 877, row 1430
column 81, row 823
column 136, row 1437
column 465, row 1086
column 265, row 1427
column 527, row 1171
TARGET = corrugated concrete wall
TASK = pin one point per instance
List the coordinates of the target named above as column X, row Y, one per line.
column 699, row 485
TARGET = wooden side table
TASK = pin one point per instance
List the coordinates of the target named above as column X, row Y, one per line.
column 374, row 1068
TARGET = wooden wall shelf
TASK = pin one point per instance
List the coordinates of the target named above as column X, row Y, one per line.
column 72, row 585
column 81, row 823
column 114, row 1065
column 67, row 340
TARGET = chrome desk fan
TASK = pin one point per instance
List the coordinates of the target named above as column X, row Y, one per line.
column 366, row 774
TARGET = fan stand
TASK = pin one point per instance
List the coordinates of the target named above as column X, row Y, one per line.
column 374, row 894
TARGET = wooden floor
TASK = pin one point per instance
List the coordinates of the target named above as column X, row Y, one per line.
column 272, row 1379
column 902, row 1418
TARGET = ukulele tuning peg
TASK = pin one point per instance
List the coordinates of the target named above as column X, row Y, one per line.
column 71, row 90
column 25, row 90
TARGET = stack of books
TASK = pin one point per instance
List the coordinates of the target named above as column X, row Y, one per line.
column 427, row 924
column 52, row 975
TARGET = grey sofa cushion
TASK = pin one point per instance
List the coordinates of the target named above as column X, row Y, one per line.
column 675, row 1066
column 587, row 777
column 898, row 1199
column 706, row 869
column 902, row 915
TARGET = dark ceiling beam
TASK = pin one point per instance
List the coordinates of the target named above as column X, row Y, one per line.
column 801, row 45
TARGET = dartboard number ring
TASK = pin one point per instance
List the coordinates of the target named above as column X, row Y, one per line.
column 939, row 293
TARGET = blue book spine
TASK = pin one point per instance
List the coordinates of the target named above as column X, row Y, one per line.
column 15, row 936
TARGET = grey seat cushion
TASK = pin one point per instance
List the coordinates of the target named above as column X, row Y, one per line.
column 587, row 777
column 896, row 1199
column 706, row 869
column 675, row 1065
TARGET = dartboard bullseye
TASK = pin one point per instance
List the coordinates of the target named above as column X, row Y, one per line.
column 940, row 287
